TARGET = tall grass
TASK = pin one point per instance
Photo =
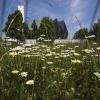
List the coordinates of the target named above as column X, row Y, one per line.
column 50, row 72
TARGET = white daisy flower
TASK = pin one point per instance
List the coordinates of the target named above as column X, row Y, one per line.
column 88, row 51
column 49, row 63
column 30, row 82
column 97, row 74
column 24, row 74
column 98, row 48
column 76, row 54
column 76, row 61
column 15, row 72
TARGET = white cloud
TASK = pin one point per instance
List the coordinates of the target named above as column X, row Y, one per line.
column 43, row 11
column 76, row 8
column 79, row 15
column 75, row 3
column 59, row 3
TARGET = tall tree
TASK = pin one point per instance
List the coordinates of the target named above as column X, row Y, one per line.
column 34, row 30
column 57, row 28
column 15, row 28
column 26, row 31
column 47, row 28
column 14, row 25
column 96, row 30
column 81, row 33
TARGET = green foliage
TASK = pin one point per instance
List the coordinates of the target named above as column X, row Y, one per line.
column 47, row 28
column 57, row 28
column 34, row 30
column 15, row 28
column 26, row 31
column 96, row 31
column 1, row 40
column 81, row 33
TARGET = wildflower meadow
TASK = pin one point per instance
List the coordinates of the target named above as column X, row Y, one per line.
column 48, row 71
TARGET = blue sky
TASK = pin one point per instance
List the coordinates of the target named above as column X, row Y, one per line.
column 62, row 9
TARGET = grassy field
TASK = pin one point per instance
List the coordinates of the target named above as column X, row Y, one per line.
column 50, row 72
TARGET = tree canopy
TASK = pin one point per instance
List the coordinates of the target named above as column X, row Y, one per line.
column 47, row 28
column 96, row 30
column 81, row 33
column 34, row 30
column 15, row 28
